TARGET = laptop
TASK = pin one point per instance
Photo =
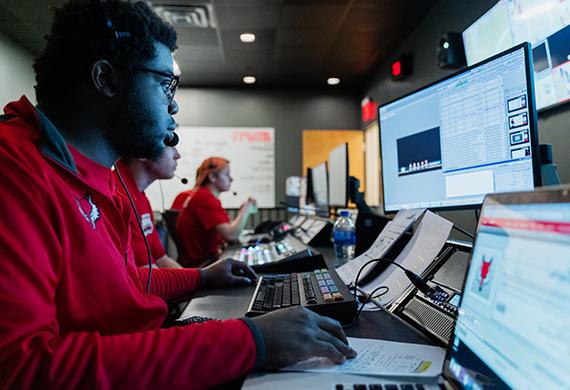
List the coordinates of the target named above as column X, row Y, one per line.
column 513, row 324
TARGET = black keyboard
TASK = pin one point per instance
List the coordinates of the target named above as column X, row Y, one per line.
column 320, row 290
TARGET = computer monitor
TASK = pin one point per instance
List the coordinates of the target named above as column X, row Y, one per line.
column 512, row 326
column 338, row 176
column 545, row 24
column 320, row 185
column 448, row 144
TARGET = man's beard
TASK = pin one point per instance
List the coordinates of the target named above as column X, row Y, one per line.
column 129, row 130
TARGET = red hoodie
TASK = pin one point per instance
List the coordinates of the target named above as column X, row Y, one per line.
column 74, row 310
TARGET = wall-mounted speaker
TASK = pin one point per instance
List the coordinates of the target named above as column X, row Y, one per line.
column 450, row 51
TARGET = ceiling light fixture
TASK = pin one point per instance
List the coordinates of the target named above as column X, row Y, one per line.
column 249, row 79
column 333, row 81
column 247, row 37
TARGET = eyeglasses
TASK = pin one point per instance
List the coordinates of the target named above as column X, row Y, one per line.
column 170, row 86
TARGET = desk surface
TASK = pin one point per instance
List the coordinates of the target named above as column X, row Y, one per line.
column 225, row 303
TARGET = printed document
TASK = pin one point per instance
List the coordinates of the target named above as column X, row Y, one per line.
column 427, row 242
column 382, row 358
column 389, row 235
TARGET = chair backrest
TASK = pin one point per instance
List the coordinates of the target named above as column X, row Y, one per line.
column 170, row 217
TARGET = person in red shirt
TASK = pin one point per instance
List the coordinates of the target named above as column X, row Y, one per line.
column 203, row 226
column 76, row 311
column 182, row 199
column 137, row 175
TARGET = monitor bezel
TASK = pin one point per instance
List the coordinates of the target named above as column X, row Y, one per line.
column 554, row 194
column 533, row 121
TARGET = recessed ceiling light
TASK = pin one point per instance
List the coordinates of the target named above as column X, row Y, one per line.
column 249, row 79
column 247, row 37
column 333, row 81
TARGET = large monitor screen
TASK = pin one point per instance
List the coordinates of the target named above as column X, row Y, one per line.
column 545, row 24
column 512, row 328
column 320, row 185
column 472, row 133
column 338, row 176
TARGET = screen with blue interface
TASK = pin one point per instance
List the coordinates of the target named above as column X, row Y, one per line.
column 449, row 144
column 543, row 23
column 513, row 323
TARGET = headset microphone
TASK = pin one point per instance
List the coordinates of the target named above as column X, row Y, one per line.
column 183, row 180
column 172, row 140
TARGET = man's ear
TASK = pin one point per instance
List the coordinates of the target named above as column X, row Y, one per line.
column 103, row 78
column 212, row 176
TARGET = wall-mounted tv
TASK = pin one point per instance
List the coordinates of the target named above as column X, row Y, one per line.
column 543, row 23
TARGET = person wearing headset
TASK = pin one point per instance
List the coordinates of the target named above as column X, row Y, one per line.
column 137, row 174
column 76, row 311
column 203, row 225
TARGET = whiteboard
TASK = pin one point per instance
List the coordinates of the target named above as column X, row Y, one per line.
column 251, row 151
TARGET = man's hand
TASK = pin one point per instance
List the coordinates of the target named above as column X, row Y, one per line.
column 295, row 334
column 227, row 273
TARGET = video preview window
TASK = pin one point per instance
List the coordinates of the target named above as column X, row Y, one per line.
column 420, row 152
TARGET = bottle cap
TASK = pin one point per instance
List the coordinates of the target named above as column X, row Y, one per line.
column 345, row 213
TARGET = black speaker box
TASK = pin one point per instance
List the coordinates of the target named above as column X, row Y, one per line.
column 450, row 51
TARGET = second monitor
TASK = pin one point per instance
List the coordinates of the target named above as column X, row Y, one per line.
column 472, row 133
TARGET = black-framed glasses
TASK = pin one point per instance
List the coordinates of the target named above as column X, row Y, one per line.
column 173, row 81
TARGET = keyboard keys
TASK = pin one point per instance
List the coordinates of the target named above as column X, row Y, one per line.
column 279, row 291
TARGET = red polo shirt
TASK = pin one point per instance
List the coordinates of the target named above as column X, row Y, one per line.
column 146, row 216
column 196, row 227
column 178, row 203
column 75, row 313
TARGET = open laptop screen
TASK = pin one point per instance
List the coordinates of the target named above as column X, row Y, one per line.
column 513, row 324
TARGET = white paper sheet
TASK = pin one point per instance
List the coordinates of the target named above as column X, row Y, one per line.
column 389, row 235
column 382, row 358
column 418, row 254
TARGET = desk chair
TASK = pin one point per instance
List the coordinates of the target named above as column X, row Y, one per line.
column 170, row 217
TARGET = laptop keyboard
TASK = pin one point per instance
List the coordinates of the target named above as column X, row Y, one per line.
column 378, row 386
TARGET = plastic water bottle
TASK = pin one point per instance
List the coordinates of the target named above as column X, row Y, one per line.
column 344, row 236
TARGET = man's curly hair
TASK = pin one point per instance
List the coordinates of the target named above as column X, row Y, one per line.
column 79, row 36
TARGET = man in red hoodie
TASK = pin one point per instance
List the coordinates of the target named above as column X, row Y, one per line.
column 76, row 311
column 136, row 174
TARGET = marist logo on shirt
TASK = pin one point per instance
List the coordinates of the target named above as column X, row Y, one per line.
column 146, row 222
column 88, row 209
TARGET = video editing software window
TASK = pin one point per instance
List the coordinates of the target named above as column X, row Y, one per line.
column 512, row 328
column 449, row 144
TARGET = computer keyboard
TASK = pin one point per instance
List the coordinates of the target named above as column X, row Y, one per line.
column 378, row 386
column 319, row 290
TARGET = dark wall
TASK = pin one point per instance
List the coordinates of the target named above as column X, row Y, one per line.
column 288, row 111
column 453, row 15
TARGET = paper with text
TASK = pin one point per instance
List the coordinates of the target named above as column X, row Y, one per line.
column 386, row 239
column 382, row 358
column 427, row 242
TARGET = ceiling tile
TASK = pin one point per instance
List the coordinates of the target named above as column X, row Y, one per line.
column 288, row 38
column 311, row 16
column 237, row 18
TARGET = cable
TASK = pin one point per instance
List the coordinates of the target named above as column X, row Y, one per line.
column 140, row 227
column 416, row 280
column 161, row 195
column 370, row 297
